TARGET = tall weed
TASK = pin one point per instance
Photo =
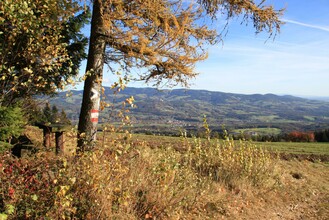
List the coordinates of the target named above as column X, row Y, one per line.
column 230, row 161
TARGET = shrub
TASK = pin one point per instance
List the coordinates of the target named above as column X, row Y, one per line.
column 27, row 186
column 109, row 182
column 296, row 136
column 11, row 122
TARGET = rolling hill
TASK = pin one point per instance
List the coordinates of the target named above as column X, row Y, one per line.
column 180, row 108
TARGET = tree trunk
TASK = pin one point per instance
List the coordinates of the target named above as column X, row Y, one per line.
column 88, row 119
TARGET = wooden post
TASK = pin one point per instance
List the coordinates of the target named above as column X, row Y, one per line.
column 48, row 130
column 59, row 136
column 46, row 136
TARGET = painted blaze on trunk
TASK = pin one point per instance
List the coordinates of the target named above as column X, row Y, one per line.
column 94, row 114
column 90, row 113
column 95, row 97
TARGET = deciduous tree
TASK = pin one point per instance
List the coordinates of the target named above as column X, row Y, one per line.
column 40, row 46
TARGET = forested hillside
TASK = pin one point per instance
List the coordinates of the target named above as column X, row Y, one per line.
column 178, row 108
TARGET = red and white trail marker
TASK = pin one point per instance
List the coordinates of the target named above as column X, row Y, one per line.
column 94, row 115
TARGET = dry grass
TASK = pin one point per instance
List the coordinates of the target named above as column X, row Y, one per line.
column 128, row 179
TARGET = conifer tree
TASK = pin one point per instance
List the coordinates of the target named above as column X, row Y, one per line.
column 63, row 118
column 11, row 122
column 54, row 118
column 47, row 113
column 162, row 38
column 325, row 136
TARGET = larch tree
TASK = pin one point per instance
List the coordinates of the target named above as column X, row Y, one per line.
column 163, row 39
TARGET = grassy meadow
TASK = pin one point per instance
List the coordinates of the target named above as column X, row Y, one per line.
column 134, row 176
column 281, row 147
column 297, row 147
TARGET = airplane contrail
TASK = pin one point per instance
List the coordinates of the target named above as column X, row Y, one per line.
column 306, row 25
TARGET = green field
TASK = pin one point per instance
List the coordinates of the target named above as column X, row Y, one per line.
column 297, row 148
column 282, row 147
column 260, row 131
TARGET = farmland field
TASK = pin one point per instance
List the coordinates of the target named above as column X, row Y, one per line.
column 297, row 147
column 260, row 131
column 283, row 147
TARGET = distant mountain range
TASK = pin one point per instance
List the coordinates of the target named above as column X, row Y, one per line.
column 319, row 98
column 180, row 108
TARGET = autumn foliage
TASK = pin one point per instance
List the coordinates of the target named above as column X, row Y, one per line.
column 297, row 136
column 38, row 52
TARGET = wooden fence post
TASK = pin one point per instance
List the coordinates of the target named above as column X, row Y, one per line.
column 46, row 136
column 59, row 136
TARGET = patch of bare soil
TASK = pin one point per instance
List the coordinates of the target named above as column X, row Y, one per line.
column 302, row 157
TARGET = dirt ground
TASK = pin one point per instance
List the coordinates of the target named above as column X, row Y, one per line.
column 308, row 157
column 303, row 193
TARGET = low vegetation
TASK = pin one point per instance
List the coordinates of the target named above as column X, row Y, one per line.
column 11, row 122
column 129, row 177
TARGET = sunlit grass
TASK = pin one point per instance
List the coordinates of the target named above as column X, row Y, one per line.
column 260, row 131
column 297, row 147
column 286, row 147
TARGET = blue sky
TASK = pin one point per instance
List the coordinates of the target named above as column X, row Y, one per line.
column 295, row 63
